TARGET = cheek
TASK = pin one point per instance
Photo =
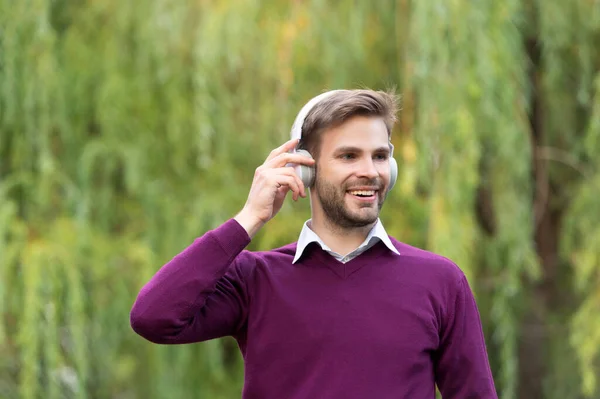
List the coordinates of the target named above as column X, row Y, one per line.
column 333, row 175
column 384, row 171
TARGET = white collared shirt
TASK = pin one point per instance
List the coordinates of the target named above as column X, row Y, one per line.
column 376, row 234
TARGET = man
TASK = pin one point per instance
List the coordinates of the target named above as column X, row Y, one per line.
column 347, row 311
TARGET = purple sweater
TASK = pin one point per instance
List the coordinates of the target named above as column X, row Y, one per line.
column 380, row 326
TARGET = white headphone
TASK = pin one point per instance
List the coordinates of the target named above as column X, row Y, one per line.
column 307, row 173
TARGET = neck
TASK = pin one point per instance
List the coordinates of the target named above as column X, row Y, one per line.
column 340, row 239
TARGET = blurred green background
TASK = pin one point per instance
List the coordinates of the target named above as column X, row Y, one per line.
column 130, row 127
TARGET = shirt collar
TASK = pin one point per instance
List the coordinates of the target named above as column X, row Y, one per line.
column 307, row 235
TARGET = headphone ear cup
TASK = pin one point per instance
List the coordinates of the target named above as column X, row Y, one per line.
column 306, row 173
column 393, row 172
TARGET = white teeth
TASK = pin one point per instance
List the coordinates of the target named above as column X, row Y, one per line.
column 363, row 192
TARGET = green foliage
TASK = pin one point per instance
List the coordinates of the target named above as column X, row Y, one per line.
column 129, row 127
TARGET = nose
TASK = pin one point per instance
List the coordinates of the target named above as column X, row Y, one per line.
column 368, row 168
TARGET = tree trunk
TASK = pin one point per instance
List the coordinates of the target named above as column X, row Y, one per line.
column 535, row 337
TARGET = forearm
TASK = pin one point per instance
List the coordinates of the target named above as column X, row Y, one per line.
column 166, row 305
column 462, row 368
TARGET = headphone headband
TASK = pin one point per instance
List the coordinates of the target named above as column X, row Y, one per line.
column 299, row 122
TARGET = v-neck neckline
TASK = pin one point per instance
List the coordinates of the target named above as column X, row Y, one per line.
column 343, row 270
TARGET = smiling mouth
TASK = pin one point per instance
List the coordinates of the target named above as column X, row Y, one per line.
column 362, row 193
column 364, row 196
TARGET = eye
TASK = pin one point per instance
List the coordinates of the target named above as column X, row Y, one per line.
column 347, row 156
column 381, row 157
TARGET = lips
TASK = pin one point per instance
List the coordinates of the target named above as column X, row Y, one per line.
column 362, row 193
column 369, row 188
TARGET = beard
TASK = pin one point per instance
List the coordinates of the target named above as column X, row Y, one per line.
column 340, row 214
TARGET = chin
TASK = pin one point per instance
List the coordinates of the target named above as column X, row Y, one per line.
column 362, row 220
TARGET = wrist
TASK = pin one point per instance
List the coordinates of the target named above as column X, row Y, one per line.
column 249, row 222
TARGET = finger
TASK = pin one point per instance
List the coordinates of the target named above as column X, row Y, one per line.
column 291, row 172
column 289, row 181
column 270, row 176
column 287, row 158
column 285, row 147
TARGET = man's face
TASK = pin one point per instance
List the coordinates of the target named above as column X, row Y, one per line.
column 353, row 172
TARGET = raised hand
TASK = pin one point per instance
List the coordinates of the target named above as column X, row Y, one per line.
column 272, row 181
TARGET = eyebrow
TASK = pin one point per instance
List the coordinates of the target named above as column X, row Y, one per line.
column 358, row 149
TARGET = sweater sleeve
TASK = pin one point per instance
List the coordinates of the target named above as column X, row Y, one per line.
column 198, row 295
column 462, row 368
